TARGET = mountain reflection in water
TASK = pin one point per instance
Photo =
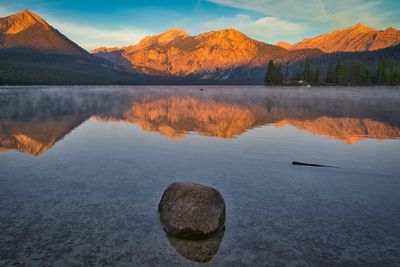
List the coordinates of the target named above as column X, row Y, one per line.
column 33, row 120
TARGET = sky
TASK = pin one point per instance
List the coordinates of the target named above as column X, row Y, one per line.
column 116, row 23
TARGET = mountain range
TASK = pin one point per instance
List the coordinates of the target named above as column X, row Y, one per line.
column 33, row 52
column 354, row 39
column 176, row 53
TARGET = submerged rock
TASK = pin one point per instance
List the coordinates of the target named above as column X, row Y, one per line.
column 198, row 250
column 192, row 211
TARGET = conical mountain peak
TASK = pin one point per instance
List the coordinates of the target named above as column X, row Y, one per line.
column 27, row 30
column 175, row 31
column 28, row 13
column 18, row 22
column 361, row 28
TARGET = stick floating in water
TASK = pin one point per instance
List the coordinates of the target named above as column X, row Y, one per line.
column 311, row 165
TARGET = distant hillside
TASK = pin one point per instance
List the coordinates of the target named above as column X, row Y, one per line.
column 27, row 67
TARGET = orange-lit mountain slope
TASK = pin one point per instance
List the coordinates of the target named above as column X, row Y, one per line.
column 28, row 30
column 176, row 53
column 355, row 38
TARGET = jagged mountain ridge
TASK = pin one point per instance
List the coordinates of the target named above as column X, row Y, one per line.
column 214, row 54
column 229, row 55
column 357, row 38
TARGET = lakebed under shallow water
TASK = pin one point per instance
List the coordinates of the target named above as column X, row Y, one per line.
column 82, row 170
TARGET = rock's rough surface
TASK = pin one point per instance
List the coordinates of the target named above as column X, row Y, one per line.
column 192, row 211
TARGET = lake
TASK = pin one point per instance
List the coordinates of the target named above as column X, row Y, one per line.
column 82, row 170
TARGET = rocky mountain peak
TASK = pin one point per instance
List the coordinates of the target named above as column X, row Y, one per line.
column 26, row 30
column 360, row 28
column 18, row 22
column 171, row 35
column 391, row 30
column 231, row 34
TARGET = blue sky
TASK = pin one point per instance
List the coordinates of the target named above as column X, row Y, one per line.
column 95, row 23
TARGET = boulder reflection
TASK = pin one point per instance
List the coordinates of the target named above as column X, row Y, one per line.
column 201, row 251
column 33, row 120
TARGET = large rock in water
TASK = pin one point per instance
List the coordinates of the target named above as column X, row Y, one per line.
column 192, row 211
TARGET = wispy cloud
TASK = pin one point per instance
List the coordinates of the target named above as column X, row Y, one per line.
column 4, row 12
column 266, row 27
column 366, row 13
column 339, row 12
column 93, row 37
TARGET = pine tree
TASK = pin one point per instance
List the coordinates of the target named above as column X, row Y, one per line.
column 340, row 72
column 380, row 73
column 287, row 72
column 368, row 78
column 395, row 79
column 307, row 71
column 387, row 76
column 317, row 75
column 269, row 75
column 331, row 75
column 274, row 75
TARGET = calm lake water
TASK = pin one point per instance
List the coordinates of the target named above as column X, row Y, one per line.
column 82, row 170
